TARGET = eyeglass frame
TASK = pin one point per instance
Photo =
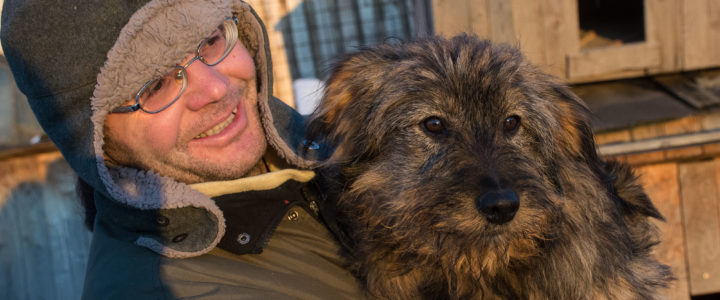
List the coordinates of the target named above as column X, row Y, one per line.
column 183, row 70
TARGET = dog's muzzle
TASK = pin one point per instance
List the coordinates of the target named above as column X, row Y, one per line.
column 498, row 206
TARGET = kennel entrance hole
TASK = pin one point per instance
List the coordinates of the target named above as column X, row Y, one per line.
column 611, row 22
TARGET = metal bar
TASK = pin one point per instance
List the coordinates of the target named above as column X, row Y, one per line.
column 312, row 29
column 379, row 16
column 402, row 6
column 336, row 26
column 358, row 22
column 660, row 143
column 287, row 32
column 423, row 18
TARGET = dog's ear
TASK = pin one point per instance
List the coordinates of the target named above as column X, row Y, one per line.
column 342, row 112
column 625, row 186
column 333, row 107
column 574, row 135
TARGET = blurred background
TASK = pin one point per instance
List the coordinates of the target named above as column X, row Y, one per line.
column 648, row 69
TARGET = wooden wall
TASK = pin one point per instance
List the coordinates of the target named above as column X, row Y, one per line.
column 272, row 12
column 18, row 125
column 43, row 242
column 680, row 35
column 687, row 195
column 666, row 197
column 683, row 180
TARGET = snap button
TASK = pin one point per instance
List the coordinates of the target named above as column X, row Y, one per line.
column 314, row 207
column 293, row 216
column 179, row 238
column 243, row 238
column 312, row 145
column 162, row 220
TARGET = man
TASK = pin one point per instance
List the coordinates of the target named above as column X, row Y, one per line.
column 160, row 106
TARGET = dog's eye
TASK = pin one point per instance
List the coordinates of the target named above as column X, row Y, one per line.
column 511, row 123
column 434, row 125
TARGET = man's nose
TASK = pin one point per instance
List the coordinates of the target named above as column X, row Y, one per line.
column 205, row 85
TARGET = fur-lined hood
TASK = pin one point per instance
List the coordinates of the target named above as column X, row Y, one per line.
column 84, row 68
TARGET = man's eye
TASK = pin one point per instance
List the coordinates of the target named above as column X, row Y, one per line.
column 150, row 90
column 215, row 39
column 212, row 40
column 157, row 86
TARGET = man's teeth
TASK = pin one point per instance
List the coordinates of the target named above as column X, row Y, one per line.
column 219, row 127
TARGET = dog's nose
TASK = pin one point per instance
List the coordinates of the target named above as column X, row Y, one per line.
column 499, row 207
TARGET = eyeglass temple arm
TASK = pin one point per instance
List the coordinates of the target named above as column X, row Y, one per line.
column 125, row 109
column 136, row 106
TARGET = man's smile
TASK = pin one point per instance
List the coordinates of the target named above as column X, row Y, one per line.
column 219, row 127
column 213, row 132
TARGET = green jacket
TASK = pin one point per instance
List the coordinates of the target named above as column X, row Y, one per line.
column 156, row 238
column 275, row 246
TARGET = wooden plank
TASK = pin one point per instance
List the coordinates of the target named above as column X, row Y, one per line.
column 43, row 242
column 701, row 30
column 711, row 149
column 701, row 205
column 610, row 76
column 479, row 19
column 661, row 143
column 42, row 147
column 259, row 7
column 661, row 184
column 687, row 88
column 562, row 31
column 500, row 14
column 613, row 137
column 663, row 25
column 527, row 21
column 7, row 109
column 272, row 13
column 714, row 33
column 451, row 17
column 597, row 61
column 644, row 158
column 695, row 33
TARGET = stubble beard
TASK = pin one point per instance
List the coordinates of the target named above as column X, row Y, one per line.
column 182, row 166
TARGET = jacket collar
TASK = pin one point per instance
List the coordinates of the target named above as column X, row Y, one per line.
column 253, row 207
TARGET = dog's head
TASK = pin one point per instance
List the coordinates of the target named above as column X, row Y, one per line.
column 461, row 136
column 439, row 89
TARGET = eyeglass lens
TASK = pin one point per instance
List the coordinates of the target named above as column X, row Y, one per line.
column 212, row 49
column 161, row 92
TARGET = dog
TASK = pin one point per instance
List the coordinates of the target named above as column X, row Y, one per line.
column 461, row 171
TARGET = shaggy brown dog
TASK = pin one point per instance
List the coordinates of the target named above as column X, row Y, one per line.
column 464, row 172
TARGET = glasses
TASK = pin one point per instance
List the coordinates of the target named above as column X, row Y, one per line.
column 159, row 93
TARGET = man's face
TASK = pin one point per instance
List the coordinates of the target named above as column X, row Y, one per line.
column 212, row 132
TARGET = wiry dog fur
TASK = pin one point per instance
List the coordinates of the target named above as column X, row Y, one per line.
column 426, row 130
